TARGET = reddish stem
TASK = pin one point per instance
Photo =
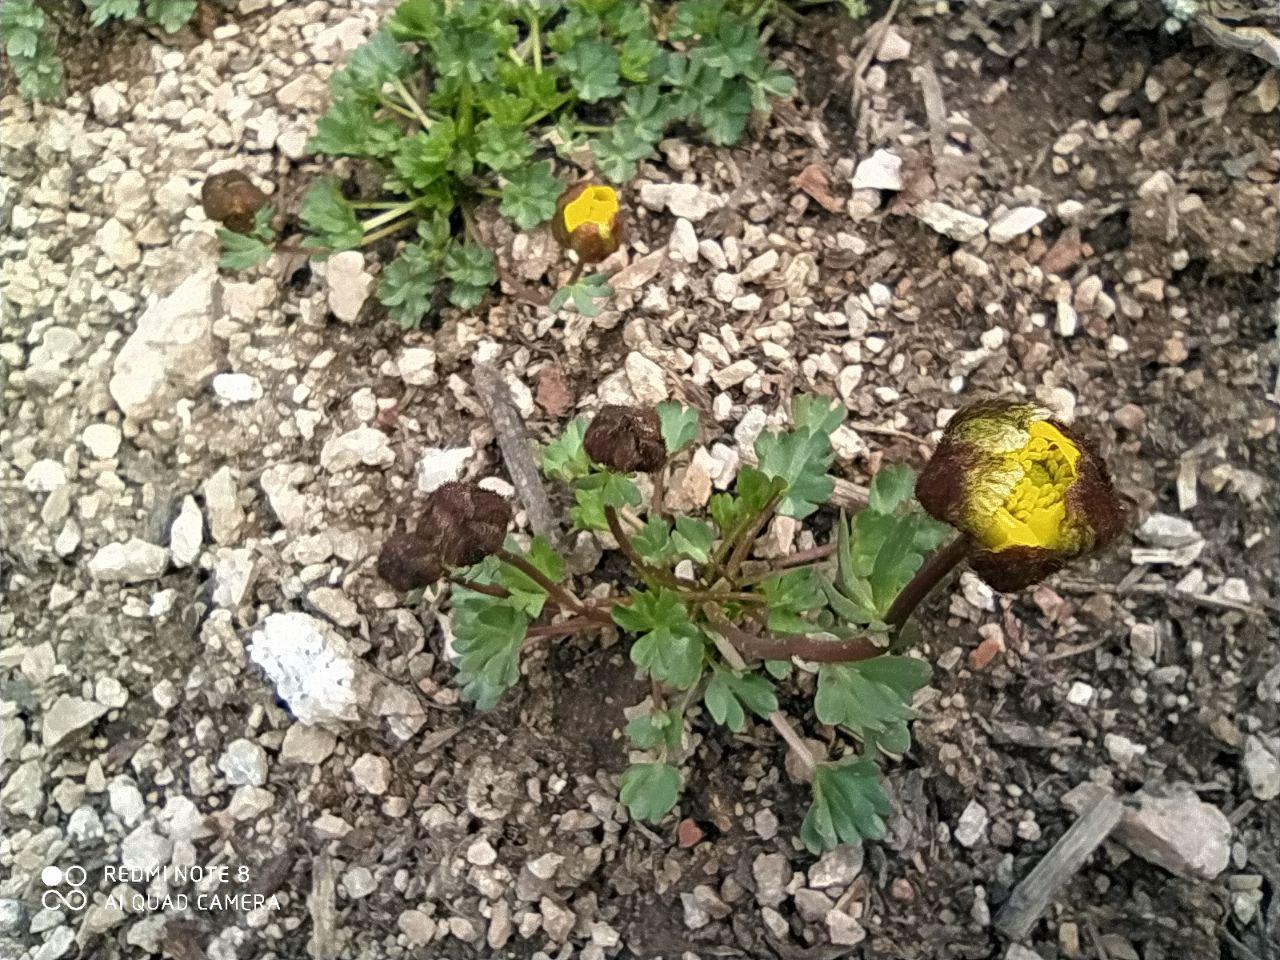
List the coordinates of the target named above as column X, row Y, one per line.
column 931, row 573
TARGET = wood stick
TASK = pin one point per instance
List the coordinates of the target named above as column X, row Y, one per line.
column 517, row 449
column 1032, row 895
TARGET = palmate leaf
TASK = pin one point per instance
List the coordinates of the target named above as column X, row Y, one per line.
column 653, row 543
column 100, row 11
column 172, row 15
column 487, row 634
column 729, row 695
column 593, row 67
column 241, row 251
column 849, row 805
column 407, row 282
column 331, row 221
column 679, row 425
column 800, row 456
column 649, row 790
column 871, row 698
column 692, row 538
column 583, row 295
column 752, row 491
column 670, row 647
column 529, row 195
column 564, row 457
column 503, row 147
column 375, row 63
column 471, row 268
column 618, row 149
column 600, row 490
column 663, row 729
column 526, row 594
column 790, row 596
column 350, row 128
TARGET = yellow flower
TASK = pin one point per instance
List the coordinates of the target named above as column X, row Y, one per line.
column 589, row 221
column 1029, row 493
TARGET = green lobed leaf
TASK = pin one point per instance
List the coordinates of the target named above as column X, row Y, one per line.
column 871, row 698
column 679, row 425
column 593, row 67
column 663, row 728
column 471, row 268
column 330, row 219
column 378, row 61
column 752, row 491
column 597, row 491
column 670, row 647
column 564, row 457
column 583, row 295
column 503, row 146
column 800, row 456
column 692, row 538
column 892, row 486
column 530, row 194
column 100, row 11
column 172, row 15
column 650, row 790
column 526, row 594
column 350, row 128
column 790, row 597
column 729, row 695
column 653, row 543
column 487, row 635
column 849, row 805
column 407, row 282
column 241, row 251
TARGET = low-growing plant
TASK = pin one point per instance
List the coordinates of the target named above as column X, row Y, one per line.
column 30, row 29
column 1011, row 492
column 462, row 102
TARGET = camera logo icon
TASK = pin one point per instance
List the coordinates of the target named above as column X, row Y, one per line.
column 74, row 899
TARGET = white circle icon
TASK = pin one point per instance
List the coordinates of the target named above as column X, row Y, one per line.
column 51, row 875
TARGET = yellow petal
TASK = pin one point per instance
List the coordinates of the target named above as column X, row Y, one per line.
column 598, row 205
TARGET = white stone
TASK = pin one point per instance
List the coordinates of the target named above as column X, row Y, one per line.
column 348, row 283
column 648, row 384
column 109, row 104
column 372, row 773
column 250, row 802
column 893, row 47
column 1261, row 769
column 125, row 800
column 880, row 171
column 118, row 245
column 222, row 503
column 22, row 793
column 1081, row 694
column 132, row 561
column 102, row 440
column 838, row 867
column 44, row 476
column 358, row 882
column 279, row 482
column 1014, row 223
column 363, row 445
column 972, row 825
column 186, row 535
column 110, row 692
column 307, row 744
column 311, row 665
column 417, row 366
column 1122, row 750
column 145, row 850
column 244, row 762
column 440, row 465
column 237, row 388
column 686, row 200
column 684, row 242
column 947, row 220
column 172, row 352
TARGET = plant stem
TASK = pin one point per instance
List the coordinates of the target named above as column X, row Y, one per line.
column 793, row 740
column 563, row 598
column 421, row 115
column 565, row 628
column 650, row 574
column 385, row 232
column 489, row 590
column 747, row 538
column 784, row 646
column 391, row 213
column 931, row 573
column 392, row 105
column 535, row 37
column 660, row 493
column 577, row 272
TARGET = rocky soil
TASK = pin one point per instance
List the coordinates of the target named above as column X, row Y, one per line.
column 200, row 668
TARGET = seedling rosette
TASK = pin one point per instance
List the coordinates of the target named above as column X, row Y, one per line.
column 714, row 628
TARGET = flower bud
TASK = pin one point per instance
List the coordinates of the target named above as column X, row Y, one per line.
column 1028, row 492
column 460, row 524
column 626, row 439
column 232, row 199
column 588, row 221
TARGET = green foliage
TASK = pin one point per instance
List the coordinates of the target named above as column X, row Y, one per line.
column 30, row 42
column 583, row 294
column 848, row 806
column 649, row 790
column 242, row 251
column 454, row 103
column 689, row 576
column 172, row 15
column 670, row 647
column 871, row 698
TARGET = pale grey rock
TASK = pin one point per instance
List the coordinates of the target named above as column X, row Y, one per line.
column 306, row 744
column 684, row 242
column 838, row 867
column 109, row 104
column 1261, row 769
column 372, row 773
column 363, row 445
column 972, row 825
column 44, row 476
column 144, row 849
column 844, row 930
column 686, row 200
column 418, row 928
column 102, row 440
column 348, row 283
column 244, row 762
column 1014, row 223
column 84, row 826
column 439, row 465
column 22, row 793
column 222, row 504
column 334, row 605
column 280, row 483
column 237, row 388
column 186, row 535
column 358, row 882
column 233, row 573
column 110, row 692
column 125, row 800
column 311, row 665
column 880, row 171
column 66, row 716
column 56, row 945
column 250, row 802
column 417, row 366
column 172, row 353
column 772, row 873
column 950, row 222
column 648, row 383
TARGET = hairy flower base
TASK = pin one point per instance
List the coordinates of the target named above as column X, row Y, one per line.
column 460, row 524
column 626, row 439
column 1028, row 492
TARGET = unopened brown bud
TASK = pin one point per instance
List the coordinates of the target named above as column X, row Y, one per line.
column 232, row 199
column 409, row 561
column 626, row 439
column 460, row 524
